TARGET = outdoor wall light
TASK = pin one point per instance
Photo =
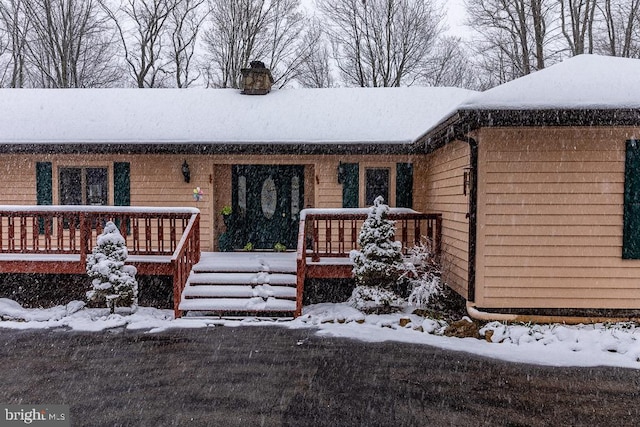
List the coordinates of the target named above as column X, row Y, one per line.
column 466, row 181
column 186, row 173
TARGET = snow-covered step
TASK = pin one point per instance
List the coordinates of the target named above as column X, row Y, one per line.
column 242, row 279
column 238, row 291
column 246, row 262
column 255, row 304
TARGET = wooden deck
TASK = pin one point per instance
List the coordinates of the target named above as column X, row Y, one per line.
column 326, row 237
column 57, row 239
column 166, row 242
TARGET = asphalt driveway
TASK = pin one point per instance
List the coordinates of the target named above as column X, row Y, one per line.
column 272, row 376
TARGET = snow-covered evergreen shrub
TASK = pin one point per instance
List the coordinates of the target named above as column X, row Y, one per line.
column 379, row 263
column 425, row 275
column 112, row 280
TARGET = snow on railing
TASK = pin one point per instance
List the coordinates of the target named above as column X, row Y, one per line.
column 73, row 230
column 333, row 233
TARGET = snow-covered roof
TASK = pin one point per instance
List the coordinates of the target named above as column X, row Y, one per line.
column 223, row 116
column 581, row 82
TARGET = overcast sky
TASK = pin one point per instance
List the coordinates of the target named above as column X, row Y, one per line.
column 456, row 16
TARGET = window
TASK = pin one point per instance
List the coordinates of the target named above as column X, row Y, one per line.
column 83, row 186
column 377, row 184
column 393, row 182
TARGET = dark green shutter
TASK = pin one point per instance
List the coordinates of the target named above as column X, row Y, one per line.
column 44, row 188
column 122, row 188
column 631, row 232
column 121, row 184
column 44, row 191
column 350, row 175
column 404, row 185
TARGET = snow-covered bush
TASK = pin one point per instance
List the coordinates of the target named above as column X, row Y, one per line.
column 112, row 280
column 424, row 290
column 425, row 275
column 365, row 298
column 379, row 263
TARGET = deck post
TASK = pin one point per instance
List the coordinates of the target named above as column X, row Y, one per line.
column 301, row 266
column 177, row 291
column 84, row 238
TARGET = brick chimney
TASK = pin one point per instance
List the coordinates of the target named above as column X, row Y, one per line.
column 256, row 80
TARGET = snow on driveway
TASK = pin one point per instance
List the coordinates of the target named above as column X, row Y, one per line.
column 553, row 345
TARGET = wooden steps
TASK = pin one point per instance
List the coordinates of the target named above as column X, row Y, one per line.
column 241, row 286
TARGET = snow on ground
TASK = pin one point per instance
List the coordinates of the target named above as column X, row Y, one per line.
column 554, row 345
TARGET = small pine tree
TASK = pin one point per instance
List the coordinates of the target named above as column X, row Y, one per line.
column 112, row 280
column 379, row 262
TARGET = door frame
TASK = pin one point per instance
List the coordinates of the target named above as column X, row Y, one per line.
column 250, row 223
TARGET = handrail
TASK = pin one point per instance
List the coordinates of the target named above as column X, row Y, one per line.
column 186, row 255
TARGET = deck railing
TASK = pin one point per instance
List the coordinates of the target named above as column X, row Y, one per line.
column 333, row 233
column 73, row 230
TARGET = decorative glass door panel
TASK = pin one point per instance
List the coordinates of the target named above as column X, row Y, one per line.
column 267, row 200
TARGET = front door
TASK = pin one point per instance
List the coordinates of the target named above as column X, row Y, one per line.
column 267, row 201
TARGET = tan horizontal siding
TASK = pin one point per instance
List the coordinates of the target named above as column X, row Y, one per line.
column 541, row 178
column 329, row 191
column 18, row 180
column 562, row 168
column 556, row 251
column 438, row 182
column 550, row 220
column 553, row 220
column 157, row 181
column 561, row 302
column 582, row 261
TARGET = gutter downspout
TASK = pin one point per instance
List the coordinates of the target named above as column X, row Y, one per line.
column 473, row 213
column 532, row 318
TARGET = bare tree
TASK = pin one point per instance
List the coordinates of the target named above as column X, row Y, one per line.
column 381, row 42
column 70, row 44
column 231, row 39
column 282, row 45
column 143, row 29
column 315, row 70
column 244, row 30
column 622, row 25
column 185, row 21
column 513, row 37
column 449, row 65
column 577, row 23
column 14, row 24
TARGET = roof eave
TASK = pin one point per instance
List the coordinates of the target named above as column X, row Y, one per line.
column 207, row 148
column 464, row 121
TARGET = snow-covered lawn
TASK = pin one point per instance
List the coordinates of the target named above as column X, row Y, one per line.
column 555, row 345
